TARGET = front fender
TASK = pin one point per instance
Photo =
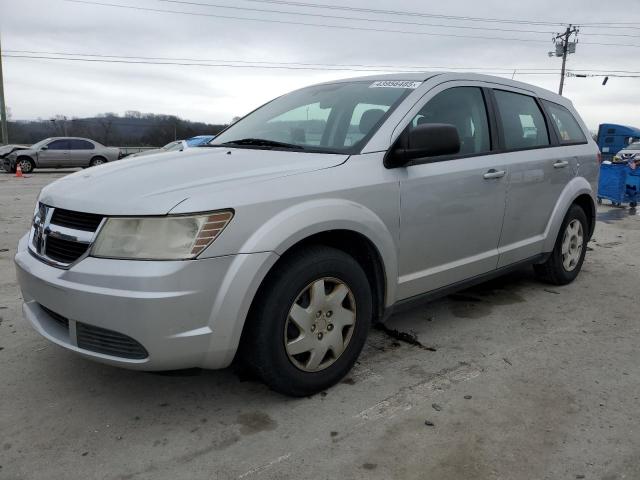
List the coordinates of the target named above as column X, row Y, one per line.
column 303, row 220
column 576, row 187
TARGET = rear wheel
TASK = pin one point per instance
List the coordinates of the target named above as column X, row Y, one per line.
column 97, row 161
column 26, row 164
column 565, row 261
column 310, row 323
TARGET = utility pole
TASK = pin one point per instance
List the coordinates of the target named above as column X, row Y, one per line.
column 4, row 137
column 563, row 48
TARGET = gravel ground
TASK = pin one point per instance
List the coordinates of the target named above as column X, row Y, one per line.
column 527, row 381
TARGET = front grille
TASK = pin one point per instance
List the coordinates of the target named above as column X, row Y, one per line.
column 88, row 222
column 56, row 317
column 108, row 342
column 64, row 251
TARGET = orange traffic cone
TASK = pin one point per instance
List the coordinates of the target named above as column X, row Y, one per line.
column 19, row 171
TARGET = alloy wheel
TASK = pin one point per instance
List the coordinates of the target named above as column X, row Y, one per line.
column 25, row 166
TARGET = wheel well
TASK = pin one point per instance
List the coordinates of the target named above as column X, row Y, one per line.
column 357, row 246
column 585, row 202
column 98, row 156
column 25, row 157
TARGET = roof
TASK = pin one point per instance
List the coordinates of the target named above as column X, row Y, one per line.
column 452, row 76
column 620, row 129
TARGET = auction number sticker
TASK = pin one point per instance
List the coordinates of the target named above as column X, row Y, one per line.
column 395, row 84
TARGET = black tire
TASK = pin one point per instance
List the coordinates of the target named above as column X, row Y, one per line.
column 553, row 270
column 27, row 161
column 95, row 161
column 633, row 204
column 263, row 346
column 599, row 201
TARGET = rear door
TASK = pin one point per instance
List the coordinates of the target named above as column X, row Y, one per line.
column 539, row 170
column 81, row 152
column 452, row 207
column 55, row 155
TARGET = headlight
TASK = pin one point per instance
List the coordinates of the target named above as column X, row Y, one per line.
column 159, row 238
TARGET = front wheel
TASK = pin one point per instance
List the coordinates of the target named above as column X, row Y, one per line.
column 310, row 321
column 565, row 261
column 26, row 165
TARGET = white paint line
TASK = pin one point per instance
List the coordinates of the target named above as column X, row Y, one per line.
column 406, row 398
column 266, row 466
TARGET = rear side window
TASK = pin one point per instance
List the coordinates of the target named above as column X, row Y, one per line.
column 59, row 145
column 522, row 121
column 81, row 145
column 568, row 128
column 464, row 108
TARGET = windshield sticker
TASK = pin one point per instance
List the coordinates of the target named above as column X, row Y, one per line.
column 395, row 84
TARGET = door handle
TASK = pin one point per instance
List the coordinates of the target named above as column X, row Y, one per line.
column 493, row 173
column 560, row 164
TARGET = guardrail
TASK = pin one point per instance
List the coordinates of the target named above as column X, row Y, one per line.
column 130, row 150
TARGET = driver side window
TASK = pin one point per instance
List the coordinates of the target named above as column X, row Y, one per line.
column 464, row 108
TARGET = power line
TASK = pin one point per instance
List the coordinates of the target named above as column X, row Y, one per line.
column 418, row 67
column 343, row 27
column 283, row 67
column 374, row 20
column 352, row 65
column 291, row 22
column 361, row 19
column 607, row 25
column 406, row 13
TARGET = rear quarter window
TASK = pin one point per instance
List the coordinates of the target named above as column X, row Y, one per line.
column 569, row 130
column 523, row 123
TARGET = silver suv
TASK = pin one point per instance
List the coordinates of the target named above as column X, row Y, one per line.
column 61, row 152
column 312, row 217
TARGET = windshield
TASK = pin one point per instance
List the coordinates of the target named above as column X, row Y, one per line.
column 335, row 118
column 199, row 140
column 36, row 146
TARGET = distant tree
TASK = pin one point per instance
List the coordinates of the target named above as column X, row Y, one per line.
column 145, row 129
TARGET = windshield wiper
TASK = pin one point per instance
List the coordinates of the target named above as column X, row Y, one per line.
column 261, row 142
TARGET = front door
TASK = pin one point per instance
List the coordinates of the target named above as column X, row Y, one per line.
column 452, row 207
column 56, row 154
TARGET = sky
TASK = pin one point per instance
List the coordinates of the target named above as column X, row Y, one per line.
column 203, row 31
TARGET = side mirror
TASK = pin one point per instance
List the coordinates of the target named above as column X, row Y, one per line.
column 426, row 140
column 44, row 147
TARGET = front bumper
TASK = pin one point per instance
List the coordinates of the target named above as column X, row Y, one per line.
column 184, row 313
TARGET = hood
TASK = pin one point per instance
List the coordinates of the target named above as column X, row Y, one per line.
column 6, row 149
column 155, row 185
column 25, row 150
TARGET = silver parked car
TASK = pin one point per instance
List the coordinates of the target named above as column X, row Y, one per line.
column 61, row 152
column 319, row 213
